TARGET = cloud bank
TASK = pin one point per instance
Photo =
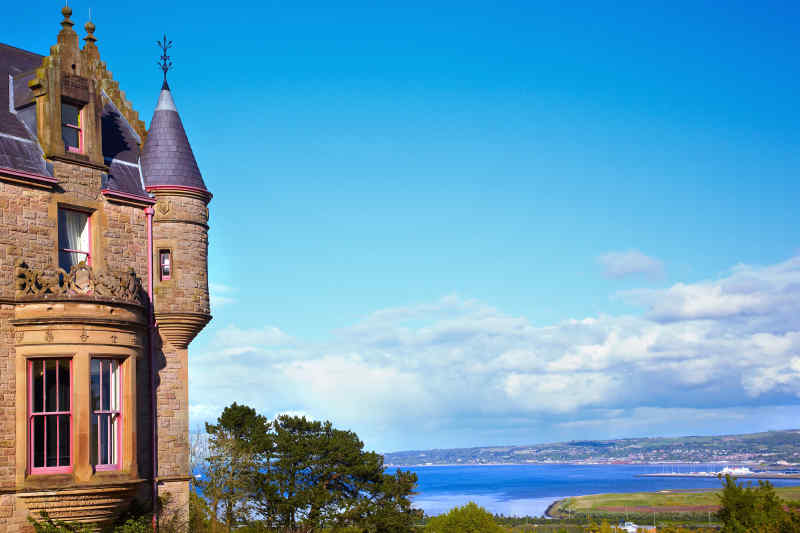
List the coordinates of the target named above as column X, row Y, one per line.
column 714, row 356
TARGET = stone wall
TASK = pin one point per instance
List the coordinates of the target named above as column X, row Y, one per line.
column 28, row 231
column 180, row 225
column 172, row 406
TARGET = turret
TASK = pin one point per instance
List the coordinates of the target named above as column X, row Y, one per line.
column 180, row 225
column 180, row 294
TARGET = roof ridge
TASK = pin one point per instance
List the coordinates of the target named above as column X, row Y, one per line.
column 22, row 50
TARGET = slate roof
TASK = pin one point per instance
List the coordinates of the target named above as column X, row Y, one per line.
column 19, row 147
column 120, row 152
column 167, row 157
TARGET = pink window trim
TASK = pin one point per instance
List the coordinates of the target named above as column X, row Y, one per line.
column 79, row 149
column 118, row 412
column 161, row 255
column 87, row 253
column 65, row 469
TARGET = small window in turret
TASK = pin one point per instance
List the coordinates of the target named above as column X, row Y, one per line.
column 165, row 260
column 71, row 131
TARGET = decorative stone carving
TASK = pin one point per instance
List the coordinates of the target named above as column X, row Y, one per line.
column 164, row 206
column 81, row 280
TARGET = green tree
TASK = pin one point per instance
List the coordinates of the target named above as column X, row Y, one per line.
column 754, row 509
column 316, row 476
column 232, row 466
column 467, row 519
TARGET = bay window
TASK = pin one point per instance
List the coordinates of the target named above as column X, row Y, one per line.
column 50, row 415
column 105, row 417
column 74, row 238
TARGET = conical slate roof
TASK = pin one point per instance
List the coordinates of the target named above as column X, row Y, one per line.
column 167, row 157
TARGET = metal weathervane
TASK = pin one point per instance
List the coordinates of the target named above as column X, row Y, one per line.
column 164, row 63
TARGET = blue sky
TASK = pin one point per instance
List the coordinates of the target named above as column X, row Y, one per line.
column 469, row 224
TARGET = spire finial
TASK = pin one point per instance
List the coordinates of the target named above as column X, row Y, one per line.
column 165, row 64
column 90, row 27
column 66, row 11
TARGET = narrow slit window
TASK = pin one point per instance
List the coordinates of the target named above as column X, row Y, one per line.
column 74, row 238
column 104, row 438
column 71, row 131
column 165, row 260
column 50, row 415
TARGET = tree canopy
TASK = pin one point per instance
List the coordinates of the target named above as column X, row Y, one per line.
column 467, row 519
column 292, row 473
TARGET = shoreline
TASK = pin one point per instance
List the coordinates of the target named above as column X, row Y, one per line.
column 566, row 463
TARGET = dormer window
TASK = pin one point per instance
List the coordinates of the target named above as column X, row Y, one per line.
column 71, row 131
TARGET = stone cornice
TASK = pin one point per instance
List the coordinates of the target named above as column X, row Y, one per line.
column 179, row 190
column 75, row 159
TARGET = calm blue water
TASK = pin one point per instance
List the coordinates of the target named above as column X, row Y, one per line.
column 529, row 489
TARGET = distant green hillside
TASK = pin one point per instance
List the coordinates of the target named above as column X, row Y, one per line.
column 774, row 448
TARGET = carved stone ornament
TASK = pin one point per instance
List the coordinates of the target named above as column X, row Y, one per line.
column 164, row 206
column 20, row 336
column 81, row 280
column 84, row 335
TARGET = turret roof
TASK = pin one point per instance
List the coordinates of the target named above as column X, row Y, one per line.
column 167, row 157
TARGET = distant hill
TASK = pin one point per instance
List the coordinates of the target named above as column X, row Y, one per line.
column 772, row 448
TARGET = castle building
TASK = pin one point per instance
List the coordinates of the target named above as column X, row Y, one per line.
column 103, row 285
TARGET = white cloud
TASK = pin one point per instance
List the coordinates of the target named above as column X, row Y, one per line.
column 456, row 371
column 220, row 294
column 617, row 265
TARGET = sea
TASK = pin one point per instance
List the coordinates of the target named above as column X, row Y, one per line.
column 528, row 490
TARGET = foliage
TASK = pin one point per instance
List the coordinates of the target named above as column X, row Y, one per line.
column 467, row 519
column 755, row 509
column 296, row 474
column 232, row 465
column 49, row 525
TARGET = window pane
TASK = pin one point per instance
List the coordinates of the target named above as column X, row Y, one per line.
column 104, row 439
column 71, row 137
column 93, row 440
column 37, row 382
column 50, row 385
column 63, row 385
column 112, row 439
column 73, row 234
column 95, row 377
column 38, row 441
column 52, row 440
column 69, row 114
column 64, row 440
column 105, row 385
column 114, row 396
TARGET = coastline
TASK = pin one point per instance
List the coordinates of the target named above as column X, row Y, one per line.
column 552, row 507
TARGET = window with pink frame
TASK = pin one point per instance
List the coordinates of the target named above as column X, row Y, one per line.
column 165, row 262
column 50, row 415
column 74, row 238
column 106, row 422
column 71, row 132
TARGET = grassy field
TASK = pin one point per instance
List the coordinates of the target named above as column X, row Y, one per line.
column 688, row 506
